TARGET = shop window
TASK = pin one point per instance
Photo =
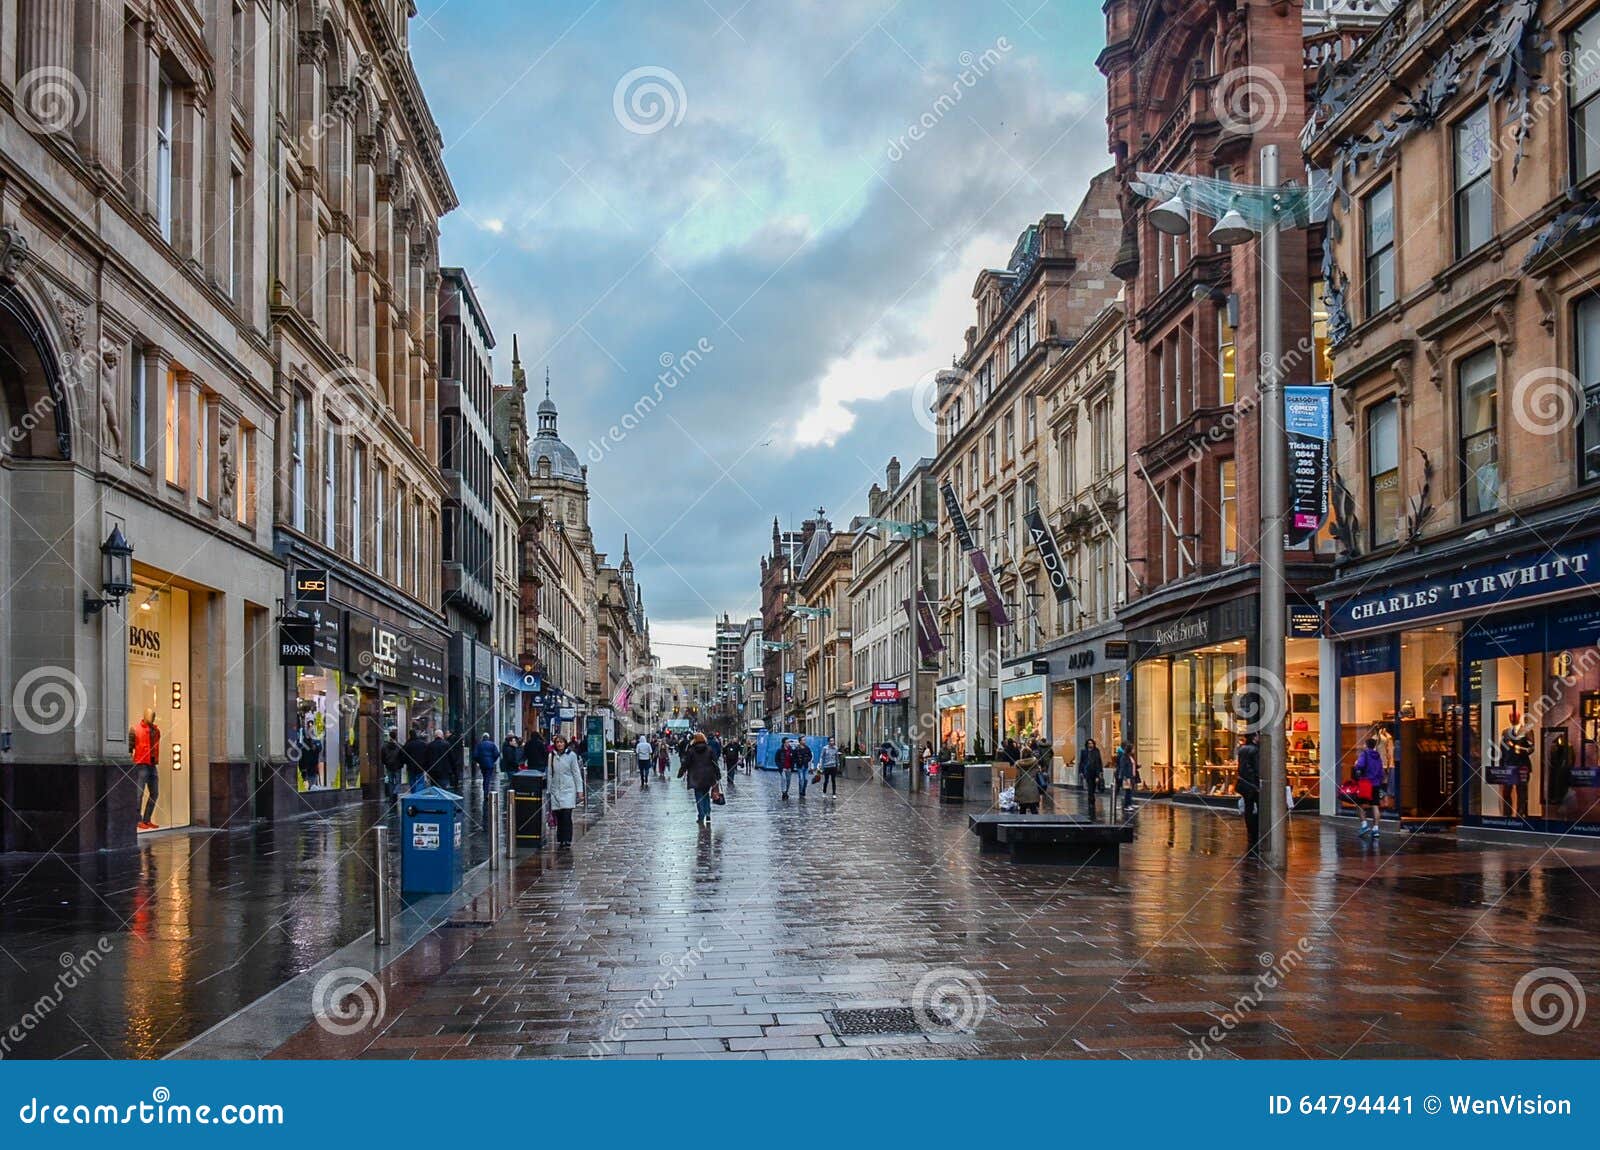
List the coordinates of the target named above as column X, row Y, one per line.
column 1588, row 364
column 1583, row 88
column 1378, row 216
column 1152, row 721
column 1383, row 472
column 1473, row 185
column 1480, row 448
column 159, row 689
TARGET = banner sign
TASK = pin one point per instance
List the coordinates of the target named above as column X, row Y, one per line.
column 311, row 585
column 1308, row 423
column 976, row 557
column 958, row 518
column 923, row 626
column 1044, row 539
column 386, row 653
column 297, row 639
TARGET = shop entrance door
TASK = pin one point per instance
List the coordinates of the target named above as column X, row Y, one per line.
column 158, row 686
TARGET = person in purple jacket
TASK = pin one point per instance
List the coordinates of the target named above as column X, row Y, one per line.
column 1369, row 768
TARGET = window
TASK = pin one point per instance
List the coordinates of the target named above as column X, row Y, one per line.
column 1227, row 361
column 1100, row 429
column 1383, row 471
column 235, row 234
column 1583, row 85
column 1473, row 191
column 1011, row 437
column 957, row 485
column 1068, row 451
column 399, row 535
column 1030, row 406
column 1228, row 489
column 174, row 426
column 955, row 416
column 1161, row 387
column 330, row 485
column 164, row 157
column 1480, row 441
column 989, row 455
column 297, row 463
column 972, row 469
column 1030, row 495
column 1011, row 525
column 358, row 466
column 1379, row 218
column 139, row 410
column 244, row 488
column 1588, row 352
column 202, row 447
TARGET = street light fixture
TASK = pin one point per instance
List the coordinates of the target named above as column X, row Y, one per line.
column 1171, row 217
column 116, row 577
column 1244, row 212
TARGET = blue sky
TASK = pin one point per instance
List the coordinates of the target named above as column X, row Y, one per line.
column 642, row 179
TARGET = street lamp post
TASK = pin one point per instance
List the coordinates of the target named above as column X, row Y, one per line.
column 1244, row 212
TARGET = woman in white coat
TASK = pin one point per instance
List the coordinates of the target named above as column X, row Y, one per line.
column 563, row 788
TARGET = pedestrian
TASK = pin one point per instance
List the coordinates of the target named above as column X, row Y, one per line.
column 310, row 756
column 1025, row 791
column 414, row 757
column 564, row 788
column 644, row 758
column 888, row 755
column 715, row 743
column 802, row 764
column 1043, row 754
column 730, row 758
column 1248, row 787
column 700, row 769
column 536, row 752
column 663, row 757
column 787, row 760
column 389, row 757
column 1369, row 777
column 144, row 741
column 511, row 753
column 829, row 764
column 439, row 770
column 1091, row 772
column 486, row 757
column 1125, row 776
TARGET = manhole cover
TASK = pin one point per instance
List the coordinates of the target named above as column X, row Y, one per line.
column 876, row 1020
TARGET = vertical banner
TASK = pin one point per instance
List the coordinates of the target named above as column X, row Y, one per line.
column 1049, row 554
column 976, row 557
column 924, row 626
column 1308, row 424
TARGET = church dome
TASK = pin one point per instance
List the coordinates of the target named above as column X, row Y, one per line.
column 546, row 444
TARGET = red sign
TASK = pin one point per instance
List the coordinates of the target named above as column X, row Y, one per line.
column 886, row 692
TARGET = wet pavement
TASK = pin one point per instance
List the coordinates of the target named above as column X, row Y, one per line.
column 654, row 939
column 130, row 954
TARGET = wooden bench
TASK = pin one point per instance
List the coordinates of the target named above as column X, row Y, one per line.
column 987, row 826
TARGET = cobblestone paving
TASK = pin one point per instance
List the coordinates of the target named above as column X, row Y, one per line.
column 654, row 939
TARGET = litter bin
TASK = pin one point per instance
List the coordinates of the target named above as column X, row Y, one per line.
column 527, row 798
column 952, row 780
column 431, row 851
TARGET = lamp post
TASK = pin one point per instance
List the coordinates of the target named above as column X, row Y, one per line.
column 1244, row 212
column 116, row 576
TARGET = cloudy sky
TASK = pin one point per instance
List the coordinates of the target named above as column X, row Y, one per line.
column 640, row 180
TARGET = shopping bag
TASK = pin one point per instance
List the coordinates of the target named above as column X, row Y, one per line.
column 717, row 797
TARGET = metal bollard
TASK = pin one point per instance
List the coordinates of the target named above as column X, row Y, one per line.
column 380, row 886
column 511, row 828
column 496, row 827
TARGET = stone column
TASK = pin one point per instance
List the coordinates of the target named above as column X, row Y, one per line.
column 157, row 363
column 44, row 36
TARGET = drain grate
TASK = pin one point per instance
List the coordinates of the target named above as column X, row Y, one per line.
column 465, row 923
column 875, row 1020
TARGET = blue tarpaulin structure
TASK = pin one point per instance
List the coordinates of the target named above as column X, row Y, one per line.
column 768, row 742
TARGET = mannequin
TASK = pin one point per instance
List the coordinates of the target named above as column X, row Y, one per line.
column 144, row 743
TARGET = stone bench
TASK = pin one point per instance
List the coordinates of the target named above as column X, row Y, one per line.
column 987, row 826
column 1086, row 844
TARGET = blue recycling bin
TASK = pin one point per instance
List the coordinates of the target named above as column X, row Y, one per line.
column 431, row 850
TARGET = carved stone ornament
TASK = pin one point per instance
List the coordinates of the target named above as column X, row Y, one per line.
column 74, row 317
column 13, row 254
column 1547, row 303
column 228, row 473
column 1504, row 327
column 1402, row 377
column 1435, row 355
column 110, row 407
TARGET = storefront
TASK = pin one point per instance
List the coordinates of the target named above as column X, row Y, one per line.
column 325, row 701
column 1480, row 687
column 510, row 685
column 159, row 692
column 401, row 679
column 1086, row 680
column 1194, row 691
column 1022, row 689
column 952, row 706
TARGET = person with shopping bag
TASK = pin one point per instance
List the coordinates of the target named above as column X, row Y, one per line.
column 1368, row 777
column 702, row 770
column 563, row 788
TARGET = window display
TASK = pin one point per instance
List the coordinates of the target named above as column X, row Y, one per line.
column 1063, row 731
column 1023, row 715
column 158, row 688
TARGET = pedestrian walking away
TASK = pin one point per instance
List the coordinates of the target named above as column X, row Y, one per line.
column 644, row 757
column 486, row 757
column 536, row 752
column 1369, row 778
column 563, row 788
column 390, row 758
column 414, row 756
column 730, row 758
column 702, row 772
column 830, row 768
column 1025, row 792
column 1091, row 772
column 888, row 756
column 439, row 768
column 1247, row 785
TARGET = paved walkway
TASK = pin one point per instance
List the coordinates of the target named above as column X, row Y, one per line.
column 655, row 939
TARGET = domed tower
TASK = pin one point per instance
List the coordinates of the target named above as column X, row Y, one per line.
column 556, row 474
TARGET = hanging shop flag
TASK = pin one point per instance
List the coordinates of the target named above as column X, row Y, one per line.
column 1308, row 423
column 1044, row 539
column 930, row 623
column 976, row 557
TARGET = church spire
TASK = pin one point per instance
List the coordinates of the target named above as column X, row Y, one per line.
column 547, row 381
